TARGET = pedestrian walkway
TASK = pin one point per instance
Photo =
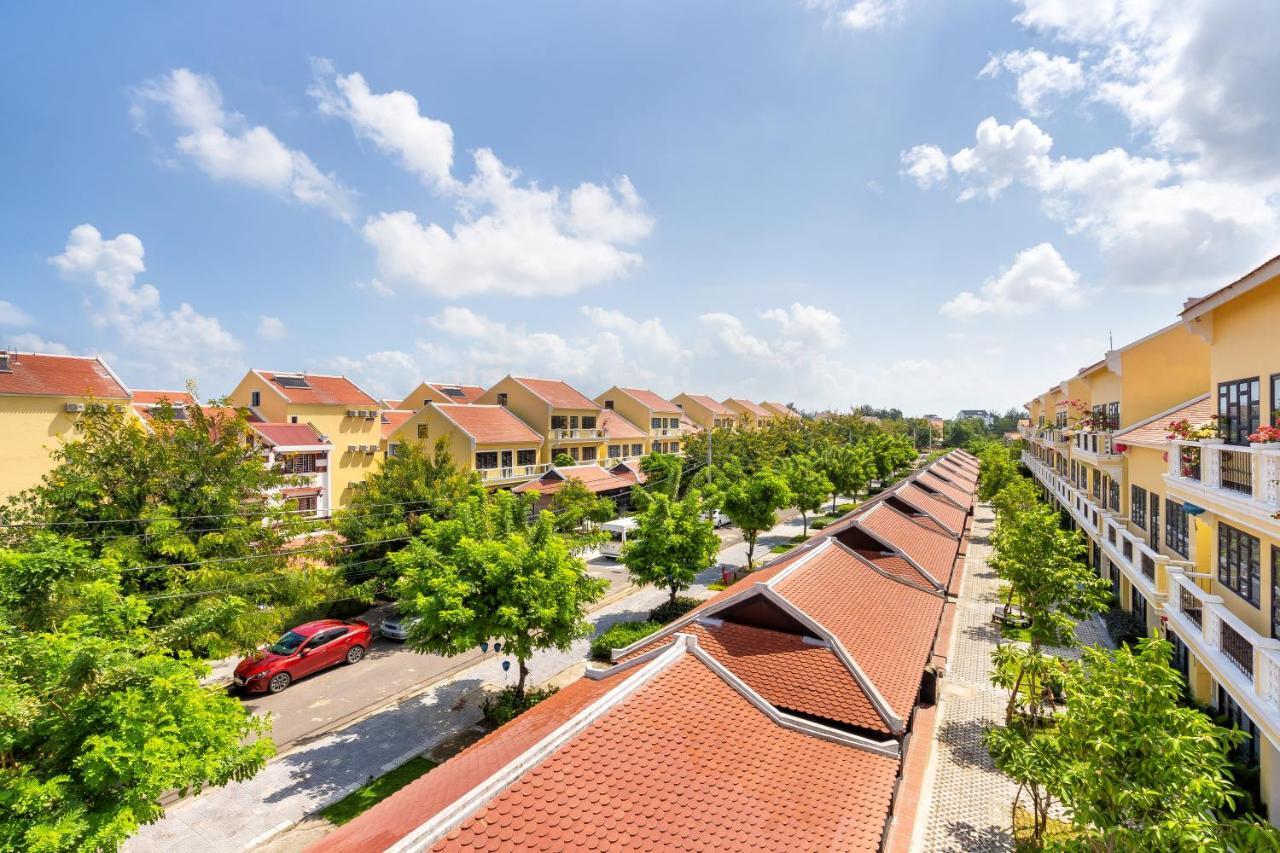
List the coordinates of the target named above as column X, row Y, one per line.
column 242, row 815
column 968, row 801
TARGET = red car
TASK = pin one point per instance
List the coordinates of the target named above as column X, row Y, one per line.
column 306, row 649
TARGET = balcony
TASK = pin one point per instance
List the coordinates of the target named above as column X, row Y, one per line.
column 1095, row 448
column 1228, row 479
column 666, row 432
column 577, row 434
column 1243, row 661
column 511, row 474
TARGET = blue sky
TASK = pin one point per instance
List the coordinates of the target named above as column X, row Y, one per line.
column 900, row 202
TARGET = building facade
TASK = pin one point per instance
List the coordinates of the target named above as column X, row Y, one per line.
column 657, row 417
column 567, row 420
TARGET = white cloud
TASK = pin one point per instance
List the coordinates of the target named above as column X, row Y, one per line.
column 508, row 237
column 12, row 315
column 390, row 120
column 31, row 342
column 227, row 148
column 927, row 165
column 1040, row 76
column 376, row 287
column 172, row 345
column 271, row 328
column 730, row 332
column 808, row 326
column 1159, row 222
column 1038, row 277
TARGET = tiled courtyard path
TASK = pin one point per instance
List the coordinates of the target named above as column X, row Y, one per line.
column 967, row 800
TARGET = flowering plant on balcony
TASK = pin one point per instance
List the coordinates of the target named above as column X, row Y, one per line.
column 1265, row 435
column 1182, row 429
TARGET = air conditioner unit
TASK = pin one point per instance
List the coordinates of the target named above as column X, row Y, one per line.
column 370, row 414
column 353, row 413
column 75, row 407
column 353, row 448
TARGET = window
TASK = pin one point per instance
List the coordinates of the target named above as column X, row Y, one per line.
column 1138, row 506
column 559, row 422
column 1246, row 751
column 303, row 463
column 1275, row 592
column 637, row 450
column 1138, row 606
column 1239, row 555
column 615, row 451
column 1154, row 526
column 588, row 421
column 588, row 454
column 1113, row 416
column 526, row 457
column 1275, row 399
column 255, row 399
column 1181, row 655
column 1238, row 406
column 1175, row 528
column 655, row 423
column 307, row 504
column 502, row 398
column 1113, row 496
column 422, row 430
column 486, row 459
column 573, row 421
column 293, row 419
column 608, row 404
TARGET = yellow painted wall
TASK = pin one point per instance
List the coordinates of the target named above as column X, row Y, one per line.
column 1170, row 368
column 414, row 399
column 30, row 428
column 697, row 412
column 1104, row 387
column 1245, row 333
column 437, row 425
column 273, row 407
column 526, row 406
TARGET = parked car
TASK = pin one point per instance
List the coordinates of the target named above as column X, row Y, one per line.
column 305, row 650
column 396, row 626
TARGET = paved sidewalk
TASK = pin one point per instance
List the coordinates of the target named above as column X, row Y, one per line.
column 242, row 815
column 968, row 800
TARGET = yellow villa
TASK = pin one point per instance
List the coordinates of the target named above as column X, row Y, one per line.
column 747, row 413
column 656, row 417
column 438, row 392
column 566, row 419
column 41, row 398
column 340, row 412
column 487, row 439
column 1162, row 454
column 705, row 411
column 779, row 411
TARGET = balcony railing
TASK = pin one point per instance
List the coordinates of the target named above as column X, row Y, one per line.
column 1096, row 443
column 1148, row 564
column 513, row 472
column 666, row 432
column 1191, row 605
column 1210, row 468
column 1237, row 648
column 576, row 434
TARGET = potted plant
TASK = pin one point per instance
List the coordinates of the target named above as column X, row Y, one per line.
column 1265, row 435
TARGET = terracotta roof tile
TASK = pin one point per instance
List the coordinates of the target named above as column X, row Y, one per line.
column 561, row 395
column 751, row 407
column 30, row 374
column 616, row 426
column 897, row 565
column 321, row 390
column 392, row 420
column 628, row 471
column 489, row 424
column 949, row 514
column 711, row 405
column 947, row 488
column 286, row 435
column 654, row 402
column 392, row 404
column 653, row 773
column 151, row 398
column 594, row 477
column 929, row 547
column 1154, row 431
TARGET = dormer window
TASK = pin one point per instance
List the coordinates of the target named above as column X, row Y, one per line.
column 502, row 398
column 608, row 404
column 255, row 399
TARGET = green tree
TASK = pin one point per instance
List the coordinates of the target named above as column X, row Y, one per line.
column 563, row 460
column 489, row 575
column 672, row 542
column 409, row 488
column 960, row 433
column 663, row 473
column 180, row 503
column 849, row 468
column 997, row 468
column 576, row 509
column 1137, row 769
column 808, row 485
column 99, row 716
column 752, row 505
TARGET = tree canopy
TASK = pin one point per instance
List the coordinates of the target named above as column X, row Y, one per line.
column 809, row 486
column 672, row 542
column 752, row 505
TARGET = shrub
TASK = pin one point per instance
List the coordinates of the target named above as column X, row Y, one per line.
column 819, row 523
column 669, row 611
column 1124, row 628
column 505, row 707
column 841, row 509
column 620, row 636
column 718, row 586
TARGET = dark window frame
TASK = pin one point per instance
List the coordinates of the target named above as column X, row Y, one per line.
column 1176, row 522
column 1138, row 506
column 526, row 457
column 484, row 455
column 1236, row 549
column 1232, row 427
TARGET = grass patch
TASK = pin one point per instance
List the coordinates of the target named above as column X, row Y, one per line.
column 505, row 707
column 718, row 586
column 1020, row 635
column 1054, row 830
column 364, row 798
column 619, row 636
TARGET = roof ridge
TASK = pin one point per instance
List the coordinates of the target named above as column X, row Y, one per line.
column 1148, row 421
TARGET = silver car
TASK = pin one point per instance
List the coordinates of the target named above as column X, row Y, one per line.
column 396, row 626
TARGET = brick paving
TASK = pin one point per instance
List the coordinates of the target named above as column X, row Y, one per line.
column 968, row 800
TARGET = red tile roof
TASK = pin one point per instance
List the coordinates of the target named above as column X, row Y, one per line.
column 887, row 626
column 1154, row 431
column 489, row 424
column 711, row 405
column 561, row 395
column 151, row 398
column 949, row 489
column 932, row 550
column 32, row 375
column 392, row 420
column 616, row 426
column 287, row 435
column 751, row 407
column 628, row 471
column 460, row 393
column 392, row 404
column 321, row 391
column 949, row 514
column 650, row 400
column 594, row 477
column 654, row 772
